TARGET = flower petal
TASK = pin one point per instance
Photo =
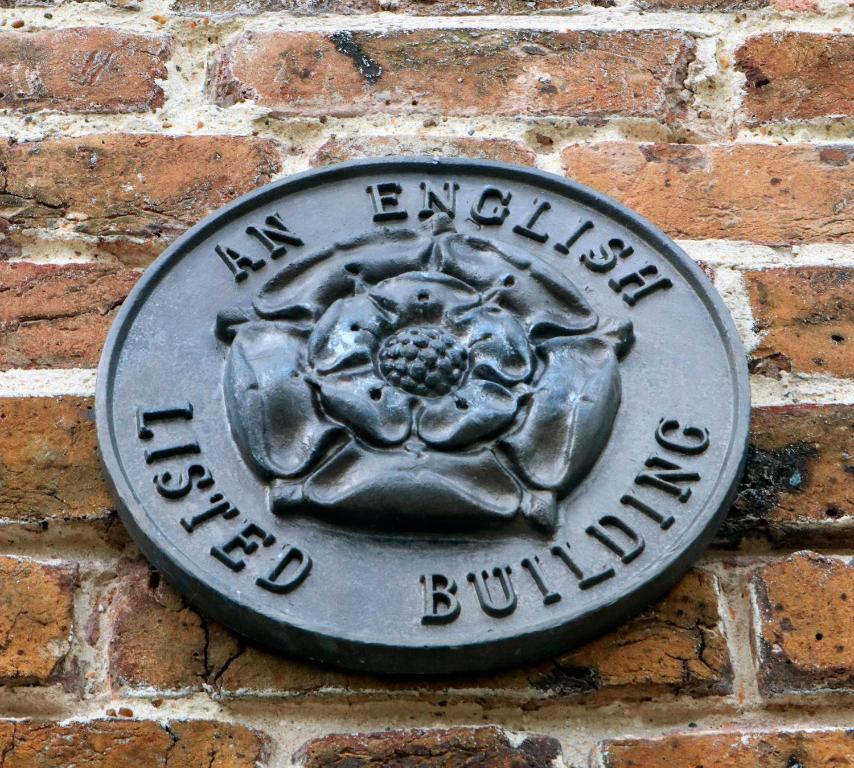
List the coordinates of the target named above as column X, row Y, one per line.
column 477, row 410
column 358, row 399
column 570, row 414
column 498, row 346
column 302, row 288
column 422, row 297
column 346, row 334
column 270, row 405
column 427, row 489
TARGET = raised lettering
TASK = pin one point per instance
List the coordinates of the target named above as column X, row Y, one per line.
column 441, row 605
column 532, row 565
column 527, row 230
column 432, row 201
column 498, row 214
column 494, row 604
column 667, row 478
column 561, row 551
column 600, row 533
column 293, row 577
column 245, row 542
column 384, row 199
column 274, row 236
column 697, row 438
column 639, row 278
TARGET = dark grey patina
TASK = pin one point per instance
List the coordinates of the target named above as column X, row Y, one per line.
column 417, row 415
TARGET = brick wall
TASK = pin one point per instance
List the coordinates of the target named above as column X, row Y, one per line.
column 730, row 123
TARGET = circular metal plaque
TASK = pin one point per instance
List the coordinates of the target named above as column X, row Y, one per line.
column 418, row 415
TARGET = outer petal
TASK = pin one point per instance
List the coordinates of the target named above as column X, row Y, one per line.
column 570, row 415
column 498, row 346
column 304, row 287
column 426, row 489
column 359, row 399
column 270, row 405
column 477, row 410
column 422, row 297
column 346, row 334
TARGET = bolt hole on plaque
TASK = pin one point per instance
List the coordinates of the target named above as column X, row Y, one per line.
column 411, row 415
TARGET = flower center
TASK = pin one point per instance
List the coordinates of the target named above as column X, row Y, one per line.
column 423, row 361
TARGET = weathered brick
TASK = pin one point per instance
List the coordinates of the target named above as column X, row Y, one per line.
column 130, row 744
column 484, row 7
column 805, row 318
column 35, row 619
column 734, row 749
column 134, row 193
column 796, row 76
column 351, row 148
column 678, row 646
column 253, row 7
column 756, row 192
column 701, row 5
column 805, row 638
column 58, row 316
column 449, row 748
column 457, row 72
column 49, row 466
column 86, row 69
column 797, row 485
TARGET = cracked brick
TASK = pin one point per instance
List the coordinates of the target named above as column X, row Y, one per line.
column 460, row 72
column 35, row 619
column 82, row 69
column 58, row 316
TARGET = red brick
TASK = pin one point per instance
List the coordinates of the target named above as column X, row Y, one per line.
column 797, row 487
column 734, row 749
column 701, row 5
column 449, row 748
column 95, row 69
column 253, row 7
column 58, row 316
column 458, row 72
column 35, row 619
column 805, row 318
column 351, row 148
column 483, row 7
column 805, row 638
column 675, row 647
column 134, row 193
column 130, row 744
column 49, row 467
column 763, row 193
column 797, row 76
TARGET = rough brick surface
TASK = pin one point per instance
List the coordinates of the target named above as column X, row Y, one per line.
column 58, row 316
column 130, row 744
column 132, row 193
column 351, row 148
column 806, row 636
column 701, row 5
column 253, row 7
column 95, row 69
column 806, row 320
column 796, row 76
column 755, row 192
column 776, row 749
column 677, row 646
column 35, row 619
column 49, row 465
column 450, row 748
column 797, row 486
column 458, row 72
